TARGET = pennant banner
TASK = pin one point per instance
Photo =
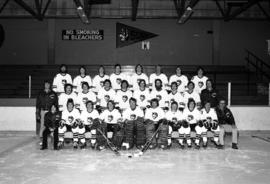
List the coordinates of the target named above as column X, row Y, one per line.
column 127, row 35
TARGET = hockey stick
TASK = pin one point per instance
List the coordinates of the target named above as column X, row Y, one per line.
column 261, row 138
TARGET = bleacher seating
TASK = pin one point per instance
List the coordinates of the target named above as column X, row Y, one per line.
column 14, row 79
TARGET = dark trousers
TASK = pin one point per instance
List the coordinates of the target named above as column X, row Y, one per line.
column 45, row 135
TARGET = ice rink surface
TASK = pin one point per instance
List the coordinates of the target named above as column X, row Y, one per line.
column 21, row 162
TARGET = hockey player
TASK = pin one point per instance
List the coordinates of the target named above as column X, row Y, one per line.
column 142, row 95
column 134, row 122
column 191, row 94
column 61, row 79
column 138, row 76
column 191, row 117
column 106, row 94
column 70, row 122
column 85, row 96
column 78, row 80
column 227, row 123
column 210, row 121
column 180, row 79
column 159, row 93
column 199, row 80
column 158, row 75
column 98, row 80
column 155, row 117
column 117, row 77
column 45, row 99
column 114, row 124
column 89, row 116
column 123, row 95
column 52, row 119
column 175, row 119
column 63, row 98
column 210, row 94
column 175, row 96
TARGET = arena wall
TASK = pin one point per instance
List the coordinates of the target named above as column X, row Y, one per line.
column 198, row 42
column 18, row 117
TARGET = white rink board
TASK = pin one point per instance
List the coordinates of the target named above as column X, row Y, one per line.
column 17, row 118
column 23, row 118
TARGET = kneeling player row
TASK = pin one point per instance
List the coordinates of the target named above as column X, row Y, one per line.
column 134, row 127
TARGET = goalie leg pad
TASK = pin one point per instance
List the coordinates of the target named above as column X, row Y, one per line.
column 101, row 141
column 118, row 137
column 150, row 130
column 140, row 132
column 163, row 134
column 129, row 133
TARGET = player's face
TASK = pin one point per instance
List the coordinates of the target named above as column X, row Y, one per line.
column 47, row 86
column 154, row 104
column 139, row 69
column 207, row 106
column 117, row 69
column 142, row 84
column 110, row 106
column 178, row 71
column 82, row 71
column 191, row 106
column 101, row 71
column 209, row 84
column 124, row 86
column 68, row 89
column 70, row 106
column 174, row 87
column 158, row 69
column 53, row 109
column 63, row 69
column 89, row 107
column 190, row 87
column 174, row 107
column 200, row 72
column 158, row 84
column 132, row 104
column 85, row 88
column 222, row 104
column 107, row 85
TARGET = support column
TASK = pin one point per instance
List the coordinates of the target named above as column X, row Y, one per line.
column 51, row 41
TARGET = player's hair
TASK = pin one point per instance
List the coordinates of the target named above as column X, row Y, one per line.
column 89, row 102
column 133, row 99
column 154, row 100
column 55, row 105
column 161, row 70
column 66, row 85
column 85, row 83
column 83, row 68
column 70, row 100
column 222, row 99
column 124, row 81
column 178, row 66
column 199, row 68
column 101, row 66
column 174, row 83
column 117, row 65
column 138, row 65
column 191, row 100
column 107, row 80
column 190, row 82
column 142, row 80
column 63, row 65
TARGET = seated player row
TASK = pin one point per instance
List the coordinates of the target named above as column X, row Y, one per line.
column 133, row 126
column 142, row 95
column 98, row 81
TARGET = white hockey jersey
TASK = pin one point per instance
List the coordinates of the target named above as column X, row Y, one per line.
column 110, row 117
column 88, row 117
column 130, row 114
column 210, row 116
column 194, row 95
column 70, row 117
column 192, row 117
column 98, row 82
column 162, row 77
column 105, row 96
column 177, row 97
column 200, row 83
column 182, row 82
column 154, row 114
column 63, row 98
column 135, row 79
column 122, row 97
column 82, row 98
column 142, row 97
column 162, row 96
column 59, row 82
column 78, row 80
column 117, row 79
column 174, row 116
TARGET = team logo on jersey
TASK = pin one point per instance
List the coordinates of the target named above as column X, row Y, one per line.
column 190, row 117
column 228, row 115
column 142, row 98
column 101, row 83
column 107, row 98
column 90, row 120
column 179, row 82
column 124, row 98
column 214, row 95
column 70, row 119
column 110, row 118
column 154, row 115
column 85, row 99
column 132, row 116
column 159, row 97
column 64, row 81
column 200, row 84
column 174, row 119
column 118, row 80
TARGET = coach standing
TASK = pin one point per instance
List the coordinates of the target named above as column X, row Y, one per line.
column 210, row 94
column 46, row 98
